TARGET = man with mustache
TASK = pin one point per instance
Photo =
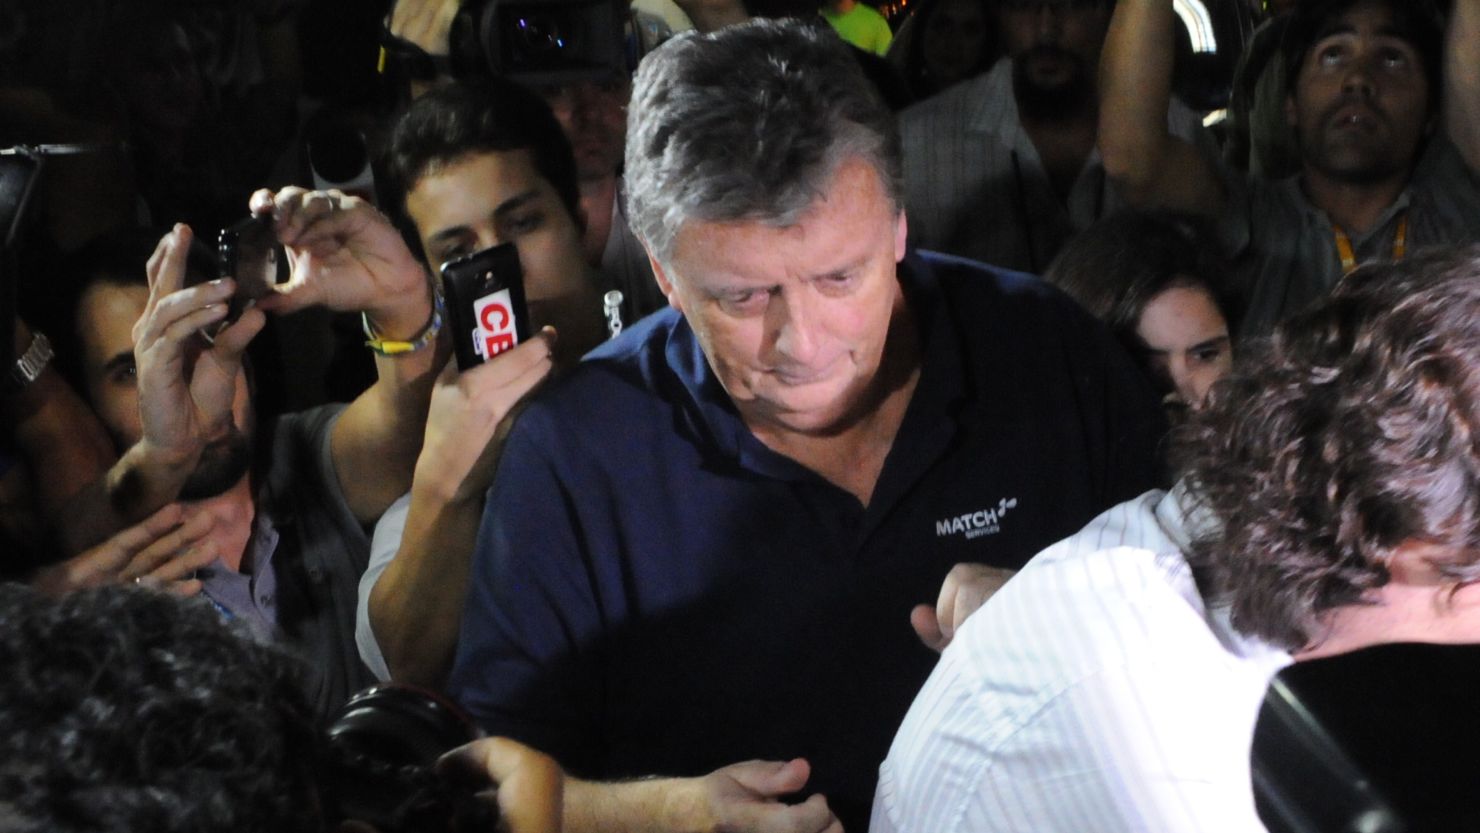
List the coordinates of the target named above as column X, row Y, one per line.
column 1002, row 167
column 1384, row 170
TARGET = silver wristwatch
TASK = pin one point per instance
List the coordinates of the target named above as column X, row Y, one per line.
column 31, row 363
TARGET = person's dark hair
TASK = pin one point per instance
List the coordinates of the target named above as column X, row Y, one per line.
column 116, row 258
column 1355, row 430
column 749, row 123
column 1416, row 21
column 486, row 115
column 124, row 709
column 1117, row 266
column 917, row 74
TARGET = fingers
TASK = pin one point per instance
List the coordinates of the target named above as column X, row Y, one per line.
column 166, row 267
column 316, row 221
column 187, row 543
column 927, row 627
column 771, row 778
column 232, row 341
column 811, row 816
column 966, row 588
column 512, row 374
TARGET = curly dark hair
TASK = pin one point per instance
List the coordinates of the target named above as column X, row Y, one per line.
column 124, row 709
column 1354, row 431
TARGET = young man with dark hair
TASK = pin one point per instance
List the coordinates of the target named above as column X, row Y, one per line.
column 1002, row 167
column 1385, row 170
column 1329, row 504
column 473, row 165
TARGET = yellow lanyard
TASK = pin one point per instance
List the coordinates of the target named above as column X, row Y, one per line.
column 1349, row 257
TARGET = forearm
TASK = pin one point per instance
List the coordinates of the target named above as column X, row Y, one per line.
column 63, row 443
column 416, row 604
column 654, row 805
column 709, row 15
column 378, row 437
column 1136, row 147
column 1462, row 82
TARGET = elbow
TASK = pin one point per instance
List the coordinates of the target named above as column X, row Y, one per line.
column 1128, row 168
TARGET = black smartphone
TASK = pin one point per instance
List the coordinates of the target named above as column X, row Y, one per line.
column 485, row 304
column 248, row 252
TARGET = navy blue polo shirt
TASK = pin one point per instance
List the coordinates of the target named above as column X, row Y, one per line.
column 654, row 591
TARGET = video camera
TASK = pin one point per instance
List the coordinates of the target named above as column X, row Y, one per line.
column 539, row 42
column 381, row 752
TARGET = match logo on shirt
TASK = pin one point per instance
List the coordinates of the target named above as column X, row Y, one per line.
column 986, row 521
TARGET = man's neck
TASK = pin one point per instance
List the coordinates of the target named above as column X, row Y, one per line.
column 1396, row 612
column 234, row 512
column 597, row 198
column 1355, row 207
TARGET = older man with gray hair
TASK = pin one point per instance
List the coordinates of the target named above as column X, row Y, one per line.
column 708, row 544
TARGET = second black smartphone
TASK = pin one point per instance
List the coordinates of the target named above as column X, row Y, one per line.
column 248, row 252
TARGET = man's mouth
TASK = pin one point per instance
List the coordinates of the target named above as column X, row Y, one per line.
column 798, row 376
column 1355, row 117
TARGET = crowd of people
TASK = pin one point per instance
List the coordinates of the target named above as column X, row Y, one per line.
column 949, row 436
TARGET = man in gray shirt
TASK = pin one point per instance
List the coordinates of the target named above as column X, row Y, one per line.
column 1384, row 170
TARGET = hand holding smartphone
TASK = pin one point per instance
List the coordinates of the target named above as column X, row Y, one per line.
column 248, row 253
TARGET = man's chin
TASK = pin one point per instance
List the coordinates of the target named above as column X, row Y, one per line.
column 222, row 465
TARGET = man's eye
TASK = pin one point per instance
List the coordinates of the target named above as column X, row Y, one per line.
column 451, row 253
column 525, row 223
column 1394, row 59
column 840, row 284
column 1331, row 56
column 124, row 374
column 748, row 302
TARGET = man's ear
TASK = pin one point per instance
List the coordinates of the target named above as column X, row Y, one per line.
column 1292, row 114
column 665, row 284
column 1417, row 565
column 901, row 236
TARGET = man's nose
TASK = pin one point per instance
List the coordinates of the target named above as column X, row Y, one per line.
column 794, row 324
column 1360, row 79
column 1048, row 22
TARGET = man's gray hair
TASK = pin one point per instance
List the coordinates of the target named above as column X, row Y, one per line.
column 749, row 123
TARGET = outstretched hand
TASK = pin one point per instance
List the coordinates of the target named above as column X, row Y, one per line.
column 746, row 797
column 163, row 551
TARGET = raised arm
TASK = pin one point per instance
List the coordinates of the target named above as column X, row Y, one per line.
column 65, row 446
column 1149, row 166
column 1462, row 81
column 416, row 604
column 348, row 257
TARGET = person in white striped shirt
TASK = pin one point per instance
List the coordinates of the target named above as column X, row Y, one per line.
column 1330, row 501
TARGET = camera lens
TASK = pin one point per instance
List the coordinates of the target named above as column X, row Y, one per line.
column 543, row 36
